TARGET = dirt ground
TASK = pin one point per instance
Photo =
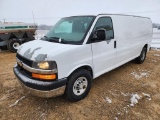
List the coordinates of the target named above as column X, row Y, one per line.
column 109, row 98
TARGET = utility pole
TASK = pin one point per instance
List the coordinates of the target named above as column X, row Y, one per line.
column 33, row 17
column 4, row 20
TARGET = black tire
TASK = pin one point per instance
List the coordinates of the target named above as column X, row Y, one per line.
column 142, row 56
column 11, row 45
column 71, row 92
column 3, row 47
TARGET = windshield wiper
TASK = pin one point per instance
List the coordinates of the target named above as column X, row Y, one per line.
column 54, row 39
column 57, row 39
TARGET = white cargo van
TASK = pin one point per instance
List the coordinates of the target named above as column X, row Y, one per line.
column 78, row 49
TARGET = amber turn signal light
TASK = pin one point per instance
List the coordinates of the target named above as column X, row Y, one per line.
column 45, row 77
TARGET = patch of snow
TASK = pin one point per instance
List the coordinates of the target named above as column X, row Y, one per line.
column 156, row 49
column 143, row 74
column 157, row 55
column 154, row 60
column 118, row 113
column 125, row 109
column 147, row 95
column 138, row 76
column 145, row 85
column 108, row 100
column 42, row 115
column 134, row 99
column 155, row 46
column 17, row 101
column 155, row 43
column 125, row 94
column 116, row 118
column 128, row 106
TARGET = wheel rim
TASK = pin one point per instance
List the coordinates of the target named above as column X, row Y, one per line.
column 80, row 86
column 143, row 55
column 16, row 45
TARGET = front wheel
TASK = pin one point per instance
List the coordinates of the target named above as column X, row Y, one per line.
column 79, row 85
column 142, row 56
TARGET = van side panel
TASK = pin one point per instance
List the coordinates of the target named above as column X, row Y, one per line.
column 131, row 34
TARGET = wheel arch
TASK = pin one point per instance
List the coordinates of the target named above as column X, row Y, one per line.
column 86, row 67
column 147, row 46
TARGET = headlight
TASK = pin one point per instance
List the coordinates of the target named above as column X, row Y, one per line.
column 45, row 65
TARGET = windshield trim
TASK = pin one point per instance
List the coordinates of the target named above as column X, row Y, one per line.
column 89, row 27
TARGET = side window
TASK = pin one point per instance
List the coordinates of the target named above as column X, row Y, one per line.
column 105, row 23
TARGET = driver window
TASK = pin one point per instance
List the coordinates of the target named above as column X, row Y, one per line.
column 105, row 23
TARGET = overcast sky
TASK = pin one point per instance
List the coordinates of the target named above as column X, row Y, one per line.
column 49, row 11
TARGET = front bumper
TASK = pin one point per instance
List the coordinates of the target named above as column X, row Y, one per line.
column 40, row 88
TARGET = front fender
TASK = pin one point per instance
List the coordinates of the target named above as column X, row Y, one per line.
column 80, row 66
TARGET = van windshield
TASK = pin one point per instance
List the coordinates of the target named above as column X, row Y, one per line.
column 70, row 30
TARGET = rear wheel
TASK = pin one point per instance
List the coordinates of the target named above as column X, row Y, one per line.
column 142, row 56
column 13, row 45
column 79, row 85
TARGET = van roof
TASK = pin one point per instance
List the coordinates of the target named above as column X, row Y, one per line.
column 123, row 15
column 112, row 14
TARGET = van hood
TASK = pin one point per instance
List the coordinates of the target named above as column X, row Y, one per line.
column 38, row 50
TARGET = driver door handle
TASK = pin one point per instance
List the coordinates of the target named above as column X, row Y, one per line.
column 115, row 44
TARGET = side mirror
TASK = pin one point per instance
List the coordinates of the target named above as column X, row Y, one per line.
column 100, row 34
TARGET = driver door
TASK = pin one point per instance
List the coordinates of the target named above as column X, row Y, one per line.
column 104, row 51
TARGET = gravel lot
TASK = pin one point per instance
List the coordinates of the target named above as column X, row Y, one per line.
column 130, row 92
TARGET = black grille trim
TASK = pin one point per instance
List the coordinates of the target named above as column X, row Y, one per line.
column 24, row 60
column 27, row 73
